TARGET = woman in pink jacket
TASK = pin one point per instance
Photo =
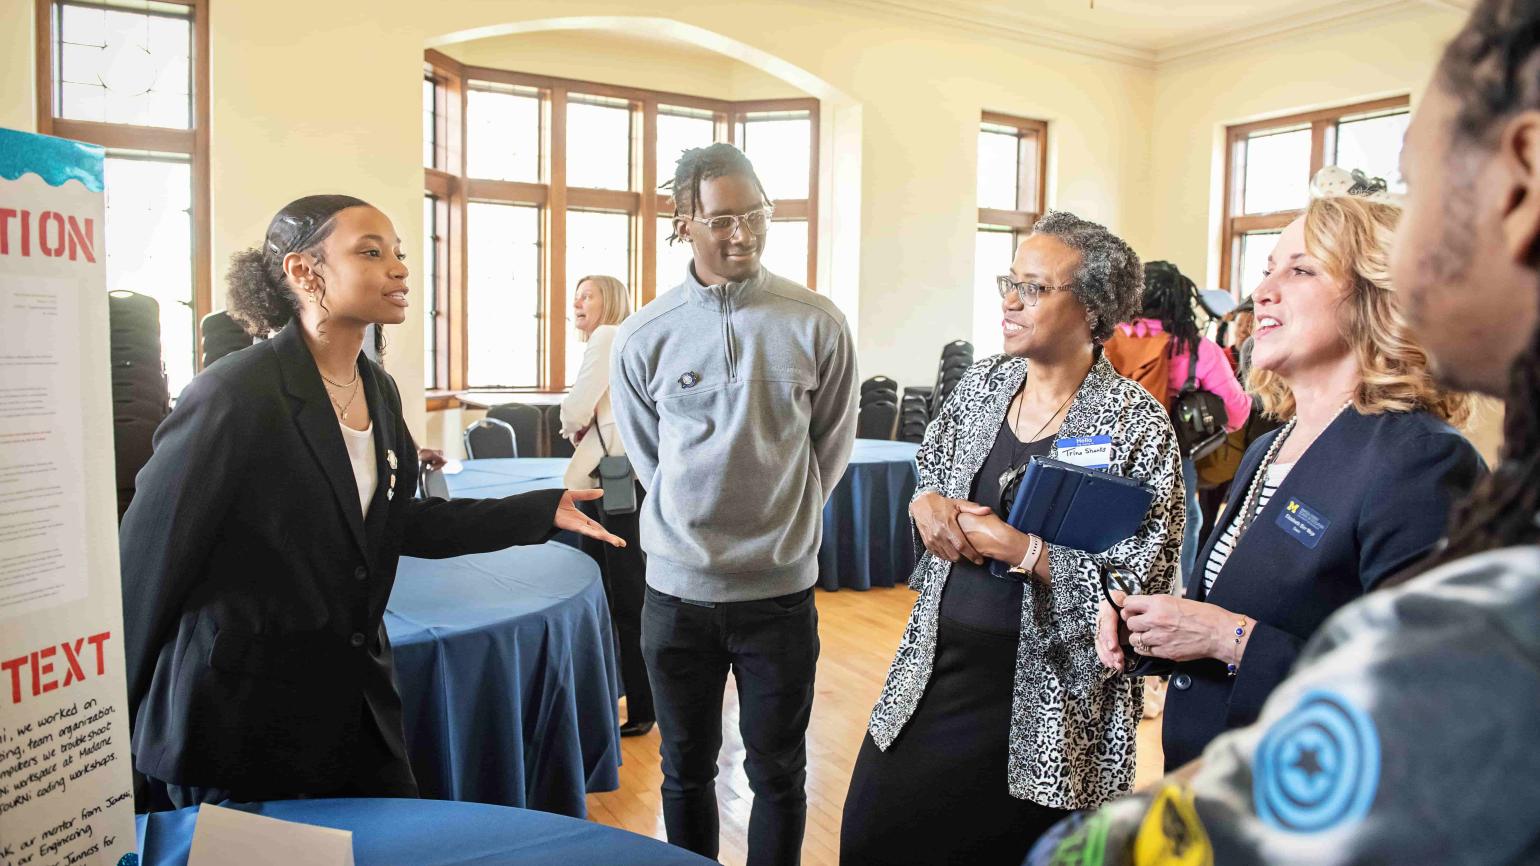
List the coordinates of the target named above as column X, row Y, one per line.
column 1167, row 307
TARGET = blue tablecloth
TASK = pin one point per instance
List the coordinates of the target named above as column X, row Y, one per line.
column 866, row 539
column 504, row 476
column 508, row 677
column 433, row 833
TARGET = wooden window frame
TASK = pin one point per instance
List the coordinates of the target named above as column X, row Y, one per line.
column 456, row 189
column 1032, row 172
column 192, row 143
column 1236, row 223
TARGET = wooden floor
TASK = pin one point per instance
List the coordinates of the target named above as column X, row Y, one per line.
column 859, row 631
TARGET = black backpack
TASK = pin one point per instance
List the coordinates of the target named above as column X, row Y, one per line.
column 1199, row 417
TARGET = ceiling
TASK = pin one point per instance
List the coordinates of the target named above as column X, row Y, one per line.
column 1144, row 31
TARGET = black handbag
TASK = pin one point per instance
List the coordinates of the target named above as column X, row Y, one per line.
column 616, row 478
column 1199, row 417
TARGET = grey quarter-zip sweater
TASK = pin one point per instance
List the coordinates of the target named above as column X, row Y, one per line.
column 736, row 403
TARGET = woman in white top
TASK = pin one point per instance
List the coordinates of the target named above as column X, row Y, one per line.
column 599, row 304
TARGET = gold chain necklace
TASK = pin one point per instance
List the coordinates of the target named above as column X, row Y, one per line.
column 339, row 384
column 342, row 408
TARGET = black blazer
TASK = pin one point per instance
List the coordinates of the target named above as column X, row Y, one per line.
column 254, row 589
column 1384, row 485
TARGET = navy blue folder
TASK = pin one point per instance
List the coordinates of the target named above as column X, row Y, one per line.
column 1076, row 507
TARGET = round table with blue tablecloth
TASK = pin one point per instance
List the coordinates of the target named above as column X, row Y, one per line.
column 508, row 680
column 866, row 536
column 432, row 833
column 495, row 477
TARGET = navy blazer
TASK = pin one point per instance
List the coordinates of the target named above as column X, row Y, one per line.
column 1384, row 485
column 254, row 589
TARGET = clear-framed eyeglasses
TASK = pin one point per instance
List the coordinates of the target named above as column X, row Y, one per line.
column 725, row 226
column 1027, row 291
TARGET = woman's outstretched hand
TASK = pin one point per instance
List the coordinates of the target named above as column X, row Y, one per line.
column 568, row 517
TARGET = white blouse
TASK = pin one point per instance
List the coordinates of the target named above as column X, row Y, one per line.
column 361, row 454
column 587, row 407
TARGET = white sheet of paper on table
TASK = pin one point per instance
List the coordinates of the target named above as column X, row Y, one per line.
column 229, row 837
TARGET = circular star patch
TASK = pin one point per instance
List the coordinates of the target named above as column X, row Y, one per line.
column 1318, row 767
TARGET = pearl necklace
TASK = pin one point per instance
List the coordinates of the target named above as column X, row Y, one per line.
column 1259, row 481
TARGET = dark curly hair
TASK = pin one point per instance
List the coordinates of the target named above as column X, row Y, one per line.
column 1109, row 281
column 259, row 296
column 1492, row 67
column 704, row 163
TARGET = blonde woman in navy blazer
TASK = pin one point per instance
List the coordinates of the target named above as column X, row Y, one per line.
column 261, row 545
column 1356, row 487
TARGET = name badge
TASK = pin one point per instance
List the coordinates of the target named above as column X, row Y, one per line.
column 1302, row 523
column 1092, row 452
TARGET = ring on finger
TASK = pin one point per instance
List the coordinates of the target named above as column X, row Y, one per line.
column 1138, row 643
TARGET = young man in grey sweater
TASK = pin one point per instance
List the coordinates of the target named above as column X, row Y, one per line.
column 735, row 395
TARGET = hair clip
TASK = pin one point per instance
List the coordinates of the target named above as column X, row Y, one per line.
column 1333, row 181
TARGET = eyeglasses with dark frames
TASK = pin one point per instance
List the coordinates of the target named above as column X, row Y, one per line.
column 1028, row 291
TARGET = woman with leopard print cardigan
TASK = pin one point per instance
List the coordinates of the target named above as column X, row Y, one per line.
column 997, row 715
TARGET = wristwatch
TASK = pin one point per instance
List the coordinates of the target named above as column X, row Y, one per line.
column 1034, row 550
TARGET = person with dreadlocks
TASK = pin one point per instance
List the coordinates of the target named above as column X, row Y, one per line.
column 735, row 396
column 1406, row 733
column 1167, row 327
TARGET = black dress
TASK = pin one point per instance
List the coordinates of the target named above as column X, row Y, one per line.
column 940, row 794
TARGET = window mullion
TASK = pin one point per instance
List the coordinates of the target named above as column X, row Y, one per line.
column 553, row 334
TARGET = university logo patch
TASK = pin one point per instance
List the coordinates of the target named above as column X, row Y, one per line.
column 1318, row 767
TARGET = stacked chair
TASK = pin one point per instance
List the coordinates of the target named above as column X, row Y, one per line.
column 556, row 444
column 528, row 425
column 222, row 335
column 140, row 400
column 489, row 438
column 914, row 414
column 956, row 358
column 878, row 415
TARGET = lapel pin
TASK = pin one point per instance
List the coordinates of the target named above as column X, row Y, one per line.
column 390, row 459
column 689, row 380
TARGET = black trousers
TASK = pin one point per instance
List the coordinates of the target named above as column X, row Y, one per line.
column 625, row 582
column 771, row 648
column 939, row 795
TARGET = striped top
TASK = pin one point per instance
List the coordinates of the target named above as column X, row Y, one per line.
column 1226, row 543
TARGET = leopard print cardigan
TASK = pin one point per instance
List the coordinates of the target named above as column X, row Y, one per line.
column 1073, row 721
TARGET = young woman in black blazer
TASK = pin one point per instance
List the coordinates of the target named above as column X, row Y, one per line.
column 261, row 546
column 1357, row 486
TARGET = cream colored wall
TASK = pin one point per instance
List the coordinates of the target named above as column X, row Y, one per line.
column 597, row 56
column 1195, row 99
column 17, row 66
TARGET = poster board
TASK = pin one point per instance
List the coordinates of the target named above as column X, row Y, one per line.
column 65, row 781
